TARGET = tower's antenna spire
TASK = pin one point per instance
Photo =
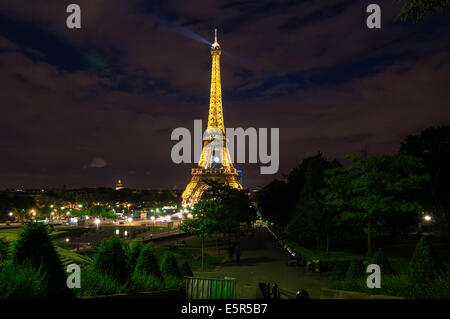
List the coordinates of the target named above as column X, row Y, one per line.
column 215, row 35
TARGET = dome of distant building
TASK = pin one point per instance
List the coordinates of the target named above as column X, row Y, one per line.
column 119, row 185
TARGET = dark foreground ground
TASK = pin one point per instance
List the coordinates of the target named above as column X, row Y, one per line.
column 263, row 260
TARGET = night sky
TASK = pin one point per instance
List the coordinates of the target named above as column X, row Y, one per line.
column 86, row 107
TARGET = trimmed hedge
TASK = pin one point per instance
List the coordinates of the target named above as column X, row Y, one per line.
column 134, row 248
column 147, row 264
column 401, row 286
column 186, row 270
column 425, row 265
column 169, row 267
column 35, row 248
column 381, row 260
column 111, row 258
column 355, row 270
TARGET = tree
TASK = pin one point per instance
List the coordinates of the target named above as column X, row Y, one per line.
column 433, row 147
column 418, row 9
column 223, row 211
column 371, row 188
column 311, row 216
column 272, row 203
column 204, row 221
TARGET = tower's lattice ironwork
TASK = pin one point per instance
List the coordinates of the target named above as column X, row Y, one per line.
column 215, row 163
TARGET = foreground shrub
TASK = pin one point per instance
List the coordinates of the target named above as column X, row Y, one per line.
column 171, row 273
column 355, row 270
column 186, row 270
column 401, row 286
column 95, row 283
column 425, row 265
column 111, row 258
column 35, row 248
column 147, row 264
column 134, row 248
column 339, row 270
column 4, row 249
column 169, row 267
column 174, row 282
column 381, row 260
column 146, row 282
column 23, row 282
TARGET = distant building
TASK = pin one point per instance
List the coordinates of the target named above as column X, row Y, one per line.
column 119, row 185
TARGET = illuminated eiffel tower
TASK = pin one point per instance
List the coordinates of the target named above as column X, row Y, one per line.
column 215, row 163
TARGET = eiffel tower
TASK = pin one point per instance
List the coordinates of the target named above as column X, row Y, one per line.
column 215, row 163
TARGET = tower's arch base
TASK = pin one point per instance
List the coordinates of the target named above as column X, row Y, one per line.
column 197, row 186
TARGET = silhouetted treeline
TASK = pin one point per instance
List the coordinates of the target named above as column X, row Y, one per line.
column 323, row 201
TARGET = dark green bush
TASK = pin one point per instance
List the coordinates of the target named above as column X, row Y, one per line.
column 23, row 281
column 4, row 249
column 355, row 270
column 147, row 264
column 340, row 270
column 400, row 286
column 95, row 283
column 134, row 248
column 169, row 266
column 111, row 258
column 35, row 248
column 173, row 282
column 425, row 265
column 186, row 270
column 146, row 282
column 381, row 260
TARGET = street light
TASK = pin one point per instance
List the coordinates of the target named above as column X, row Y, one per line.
column 97, row 221
column 427, row 218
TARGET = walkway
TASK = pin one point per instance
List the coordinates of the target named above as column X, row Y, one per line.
column 263, row 260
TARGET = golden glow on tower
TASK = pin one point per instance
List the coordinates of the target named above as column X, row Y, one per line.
column 215, row 162
column 119, row 185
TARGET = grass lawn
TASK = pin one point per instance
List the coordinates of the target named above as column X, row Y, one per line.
column 192, row 252
column 67, row 257
column 153, row 230
column 10, row 234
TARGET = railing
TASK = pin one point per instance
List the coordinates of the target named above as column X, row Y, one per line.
column 214, row 171
column 202, row 288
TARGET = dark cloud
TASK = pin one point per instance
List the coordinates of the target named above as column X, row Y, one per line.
column 138, row 69
column 98, row 162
